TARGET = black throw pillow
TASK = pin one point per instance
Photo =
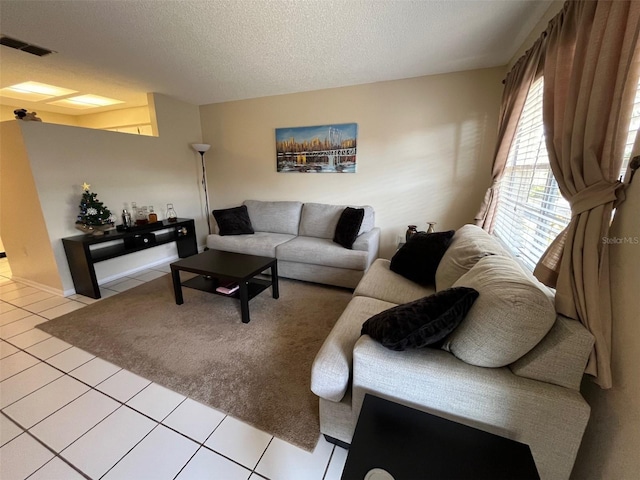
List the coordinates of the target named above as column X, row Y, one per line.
column 233, row 221
column 348, row 226
column 422, row 323
column 418, row 259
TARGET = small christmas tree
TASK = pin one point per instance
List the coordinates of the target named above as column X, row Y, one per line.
column 93, row 213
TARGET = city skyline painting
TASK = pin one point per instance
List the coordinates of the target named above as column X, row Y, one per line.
column 317, row 149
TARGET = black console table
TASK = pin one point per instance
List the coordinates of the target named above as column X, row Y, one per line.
column 81, row 257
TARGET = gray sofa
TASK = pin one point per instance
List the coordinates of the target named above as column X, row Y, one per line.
column 512, row 367
column 300, row 236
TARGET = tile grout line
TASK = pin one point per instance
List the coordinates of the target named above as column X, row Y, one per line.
column 188, row 461
column 33, row 391
column 131, row 449
column 201, row 445
column 253, row 470
column 124, row 404
column 206, row 447
column 55, row 454
column 326, row 469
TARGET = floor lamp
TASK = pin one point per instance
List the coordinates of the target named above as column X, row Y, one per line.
column 201, row 148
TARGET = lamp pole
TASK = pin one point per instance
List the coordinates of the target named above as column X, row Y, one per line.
column 201, row 148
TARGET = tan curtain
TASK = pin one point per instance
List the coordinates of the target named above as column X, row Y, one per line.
column 516, row 86
column 590, row 76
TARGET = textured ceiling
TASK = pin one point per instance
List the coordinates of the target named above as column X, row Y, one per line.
column 219, row 50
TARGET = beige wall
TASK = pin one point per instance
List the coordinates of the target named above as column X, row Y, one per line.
column 424, row 148
column 121, row 168
column 6, row 113
column 24, row 230
column 115, row 118
column 611, row 444
column 105, row 120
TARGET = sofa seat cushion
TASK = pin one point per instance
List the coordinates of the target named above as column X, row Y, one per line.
column 509, row 318
column 381, row 283
column 321, row 251
column 470, row 243
column 331, row 369
column 320, row 220
column 260, row 243
column 274, row 217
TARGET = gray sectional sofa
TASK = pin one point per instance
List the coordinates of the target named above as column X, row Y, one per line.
column 300, row 235
column 512, row 367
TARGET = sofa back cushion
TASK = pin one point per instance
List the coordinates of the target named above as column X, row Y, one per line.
column 320, row 220
column 470, row 243
column 509, row 318
column 274, row 217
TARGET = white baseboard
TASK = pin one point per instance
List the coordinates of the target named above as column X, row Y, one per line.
column 40, row 286
column 128, row 273
column 111, row 278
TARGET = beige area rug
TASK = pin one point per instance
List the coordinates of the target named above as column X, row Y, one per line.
column 257, row 372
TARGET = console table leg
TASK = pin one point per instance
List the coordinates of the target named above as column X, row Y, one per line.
column 244, row 301
column 274, row 280
column 177, row 286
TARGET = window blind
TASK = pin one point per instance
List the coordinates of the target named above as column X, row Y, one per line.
column 531, row 212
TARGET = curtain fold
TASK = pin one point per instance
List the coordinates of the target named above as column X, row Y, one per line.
column 590, row 77
column 517, row 83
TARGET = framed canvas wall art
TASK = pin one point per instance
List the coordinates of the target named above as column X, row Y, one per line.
column 317, row 149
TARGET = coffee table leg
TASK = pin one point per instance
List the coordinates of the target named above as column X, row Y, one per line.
column 244, row 301
column 274, row 280
column 177, row 286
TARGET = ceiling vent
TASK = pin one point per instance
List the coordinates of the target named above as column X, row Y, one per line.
column 25, row 47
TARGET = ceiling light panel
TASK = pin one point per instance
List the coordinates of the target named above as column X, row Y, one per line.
column 34, row 91
column 86, row 101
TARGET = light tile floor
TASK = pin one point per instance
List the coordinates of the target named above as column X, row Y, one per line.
column 66, row 414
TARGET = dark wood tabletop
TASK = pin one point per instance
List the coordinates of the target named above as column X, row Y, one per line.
column 414, row 445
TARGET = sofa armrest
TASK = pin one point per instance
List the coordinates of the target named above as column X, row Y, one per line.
column 369, row 242
column 331, row 369
column 561, row 357
column 549, row 418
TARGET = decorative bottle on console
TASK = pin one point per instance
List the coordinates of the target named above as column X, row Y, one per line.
column 141, row 216
column 172, row 216
column 411, row 231
column 134, row 212
column 153, row 216
column 126, row 219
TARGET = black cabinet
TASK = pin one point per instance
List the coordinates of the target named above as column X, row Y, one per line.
column 82, row 257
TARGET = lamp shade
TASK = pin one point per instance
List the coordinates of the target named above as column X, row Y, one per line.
column 200, row 147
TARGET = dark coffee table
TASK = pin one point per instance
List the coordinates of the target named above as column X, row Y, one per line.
column 215, row 268
column 410, row 445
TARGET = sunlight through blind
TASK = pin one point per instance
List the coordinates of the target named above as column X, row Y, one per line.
column 531, row 212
